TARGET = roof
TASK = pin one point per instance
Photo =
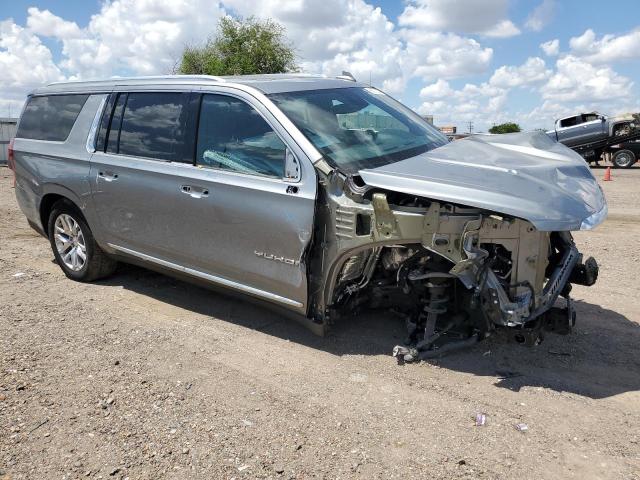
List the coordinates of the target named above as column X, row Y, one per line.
column 272, row 83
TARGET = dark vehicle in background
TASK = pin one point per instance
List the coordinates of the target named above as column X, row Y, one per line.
column 593, row 135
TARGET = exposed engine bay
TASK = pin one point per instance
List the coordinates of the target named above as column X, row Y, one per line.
column 453, row 273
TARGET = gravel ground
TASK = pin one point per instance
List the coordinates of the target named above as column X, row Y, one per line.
column 144, row 376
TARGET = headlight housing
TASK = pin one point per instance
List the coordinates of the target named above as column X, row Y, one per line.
column 596, row 219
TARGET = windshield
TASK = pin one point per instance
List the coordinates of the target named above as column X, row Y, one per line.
column 356, row 128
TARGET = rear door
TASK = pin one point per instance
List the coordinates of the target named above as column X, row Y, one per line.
column 230, row 218
column 141, row 140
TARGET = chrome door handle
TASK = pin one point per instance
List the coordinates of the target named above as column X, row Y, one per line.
column 194, row 191
column 108, row 176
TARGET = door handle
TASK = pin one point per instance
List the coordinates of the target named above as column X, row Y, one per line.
column 194, row 191
column 108, row 176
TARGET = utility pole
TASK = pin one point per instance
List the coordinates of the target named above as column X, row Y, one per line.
column 470, row 126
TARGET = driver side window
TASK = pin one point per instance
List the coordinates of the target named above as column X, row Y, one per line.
column 232, row 135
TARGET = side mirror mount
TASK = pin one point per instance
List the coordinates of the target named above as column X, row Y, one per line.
column 292, row 172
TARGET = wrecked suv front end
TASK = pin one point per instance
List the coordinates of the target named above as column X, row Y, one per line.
column 459, row 240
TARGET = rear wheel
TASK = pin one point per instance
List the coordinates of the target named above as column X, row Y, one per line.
column 74, row 247
column 624, row 159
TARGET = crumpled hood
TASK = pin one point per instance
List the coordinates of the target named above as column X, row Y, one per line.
column 526, row 175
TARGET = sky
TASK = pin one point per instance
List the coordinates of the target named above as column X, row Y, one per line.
column 480, row 61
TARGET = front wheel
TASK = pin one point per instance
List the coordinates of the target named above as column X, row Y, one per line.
column 74, row 247
column 624, row 159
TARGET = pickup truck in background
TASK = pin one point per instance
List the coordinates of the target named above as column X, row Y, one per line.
column 593, row 135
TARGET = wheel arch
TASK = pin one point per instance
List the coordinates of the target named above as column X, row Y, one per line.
column 55, row 194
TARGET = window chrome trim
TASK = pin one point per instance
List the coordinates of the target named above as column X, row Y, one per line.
column 211, row 278
column 93, row 131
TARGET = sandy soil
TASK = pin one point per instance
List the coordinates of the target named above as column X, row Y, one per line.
column 144, row 376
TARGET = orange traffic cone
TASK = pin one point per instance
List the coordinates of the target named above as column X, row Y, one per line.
column 607, row 175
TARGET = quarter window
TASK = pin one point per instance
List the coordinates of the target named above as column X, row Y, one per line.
column 152, row 125
column 50, row 117
column 233, row 136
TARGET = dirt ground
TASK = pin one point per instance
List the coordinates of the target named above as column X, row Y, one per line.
column 144, row 376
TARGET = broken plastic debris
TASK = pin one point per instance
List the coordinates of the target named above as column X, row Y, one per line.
column 522, row 427
column 404, row 354
column 481, row 419
column 19, row 274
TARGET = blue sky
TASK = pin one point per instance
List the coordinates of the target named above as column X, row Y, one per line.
column 459, row 60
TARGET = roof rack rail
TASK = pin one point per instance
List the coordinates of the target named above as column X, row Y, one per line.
column 145, row 78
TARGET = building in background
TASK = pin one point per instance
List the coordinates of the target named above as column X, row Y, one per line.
column 7, row 132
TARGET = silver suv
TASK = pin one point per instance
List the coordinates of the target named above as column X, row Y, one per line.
column 320, row 195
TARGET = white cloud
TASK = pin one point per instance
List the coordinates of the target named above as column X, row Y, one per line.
column 504, row 29
column 462, row 16
column 534, row 70
column 143, row 37
column 25, row 63
column 551, row 48
column 541, row 15
column 576, row 80
column 439, row 89
column 444, row 55
column 45, row 23
column 335, row 35
column 609, row 48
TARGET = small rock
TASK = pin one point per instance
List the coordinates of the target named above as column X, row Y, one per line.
column 462, row 462
column 247, row 423
column 110, row 401
column 21, row 387
column 3, row 397
column 242, row 468
column 279, row 468
column 113, row 471
column 117, row 362
column 185, row 451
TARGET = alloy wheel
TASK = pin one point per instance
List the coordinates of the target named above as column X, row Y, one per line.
column 70, row 243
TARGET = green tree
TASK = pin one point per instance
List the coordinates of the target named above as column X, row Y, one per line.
column 241, row 47
column 508, row 127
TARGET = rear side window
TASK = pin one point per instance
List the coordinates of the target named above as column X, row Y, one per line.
column 152, row 125
column 50, row 117
column 232, row 135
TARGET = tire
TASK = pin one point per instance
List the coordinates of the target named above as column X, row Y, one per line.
column 624, row 159
column 71, row 239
